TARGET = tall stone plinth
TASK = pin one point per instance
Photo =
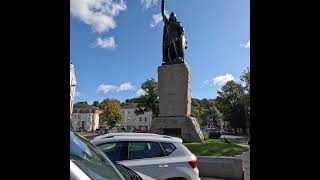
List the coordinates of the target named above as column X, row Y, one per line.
column 175, row 104
column 174, row 90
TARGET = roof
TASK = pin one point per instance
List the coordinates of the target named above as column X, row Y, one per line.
column 87, row 109
column 134, row 137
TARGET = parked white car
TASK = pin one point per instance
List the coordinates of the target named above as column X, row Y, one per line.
column 158, row 156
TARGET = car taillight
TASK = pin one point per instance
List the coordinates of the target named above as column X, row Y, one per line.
column 193, row 164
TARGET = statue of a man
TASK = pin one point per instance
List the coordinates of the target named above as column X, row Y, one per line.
column 174, row 41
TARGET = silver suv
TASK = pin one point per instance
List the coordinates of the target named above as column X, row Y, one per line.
column 158, row 156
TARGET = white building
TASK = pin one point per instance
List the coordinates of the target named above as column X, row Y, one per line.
column 73, row 83
column 86, row 118
column 217, row 122
column 134, row 122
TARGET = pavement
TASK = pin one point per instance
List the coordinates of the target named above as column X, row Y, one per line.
column 239, row 140
column 235, row 138
column 244, row 145
column 210, row 179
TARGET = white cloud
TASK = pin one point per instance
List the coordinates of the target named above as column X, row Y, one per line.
column 140, row 92
column 125, row 87
column 223, row 79
column 157, row 18
column 106, row 88
column 77, row 94
column 106, row 43
column 148, row 3
column 219, row 80
column 246, row 45
column 99, row 14
column 206, row 82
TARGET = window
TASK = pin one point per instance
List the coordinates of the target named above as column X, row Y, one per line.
column 116, row 151
column 140, row 150
column 90, row 160
column 140, row 119
column 145, row 119
column 168, row 148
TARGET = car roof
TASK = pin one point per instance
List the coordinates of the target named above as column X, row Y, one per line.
column 124, row 134
column 111, row 137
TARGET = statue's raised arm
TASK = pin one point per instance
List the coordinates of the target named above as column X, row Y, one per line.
column 165, row 20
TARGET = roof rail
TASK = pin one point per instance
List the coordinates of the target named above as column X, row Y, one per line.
column 167, row 136
column 107, row 137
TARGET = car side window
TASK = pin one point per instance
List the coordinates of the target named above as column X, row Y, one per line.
column 116, row 151
column 141, row 150
column 168, row 148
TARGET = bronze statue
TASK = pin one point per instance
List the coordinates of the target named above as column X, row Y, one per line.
column 174, row 41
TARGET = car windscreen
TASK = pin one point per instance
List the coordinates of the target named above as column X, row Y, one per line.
column 91, row 160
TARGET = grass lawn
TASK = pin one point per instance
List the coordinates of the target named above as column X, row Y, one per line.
column 215, row 147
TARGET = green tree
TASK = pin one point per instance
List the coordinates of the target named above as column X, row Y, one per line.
column 112, row 114
column 129, row 101
column 96, row 104
column 195, row 107
column 230, row 103
column 204, row 110
column 214, row 113
column 150, row 100
column 245, row 78
column 132, row 100
column 81, row 104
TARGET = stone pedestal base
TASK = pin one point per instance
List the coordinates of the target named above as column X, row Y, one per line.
column 186, row 128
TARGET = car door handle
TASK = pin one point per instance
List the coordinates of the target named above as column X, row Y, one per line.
column 163, row 166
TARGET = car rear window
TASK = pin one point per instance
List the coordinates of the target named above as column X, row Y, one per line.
column 168, row 148
column 141, row 150
column 116, row 151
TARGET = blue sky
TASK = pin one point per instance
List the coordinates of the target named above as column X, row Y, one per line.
column 116, row 44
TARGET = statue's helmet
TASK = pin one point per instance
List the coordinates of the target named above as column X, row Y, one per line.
column 173, row 17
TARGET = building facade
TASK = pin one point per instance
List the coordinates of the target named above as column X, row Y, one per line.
column 86, row 118
column 73, row 83
column 133, row 122
column 215, row 122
